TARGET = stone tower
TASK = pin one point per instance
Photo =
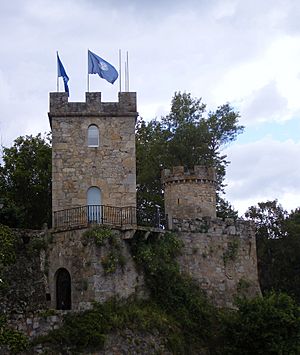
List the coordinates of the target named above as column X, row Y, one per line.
column 189, row 193
column 93, row 151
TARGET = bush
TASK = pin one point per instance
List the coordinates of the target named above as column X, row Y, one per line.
column 268, row 325
column 87, row 330
column 11, row 339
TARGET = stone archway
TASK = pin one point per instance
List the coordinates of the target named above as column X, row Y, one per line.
column 63, row 289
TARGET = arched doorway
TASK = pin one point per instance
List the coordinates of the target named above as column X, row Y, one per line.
column 94, row 204
column 63, row 289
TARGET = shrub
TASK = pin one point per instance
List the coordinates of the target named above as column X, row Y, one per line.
column 268, row 325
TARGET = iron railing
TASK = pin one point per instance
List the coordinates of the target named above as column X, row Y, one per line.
column 115, row 216
column 95, row 214
column 151, row 217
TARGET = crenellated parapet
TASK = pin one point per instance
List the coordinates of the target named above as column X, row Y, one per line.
column 199, row 174
column 189, row 193
column 93, row 106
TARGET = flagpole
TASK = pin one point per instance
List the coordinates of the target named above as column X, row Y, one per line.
column 57, row 79
column 127, row 72
column 125, row 75
column 120, row 71
column 88, row 77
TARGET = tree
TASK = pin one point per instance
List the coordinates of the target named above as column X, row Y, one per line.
column 25, row 182
column 278, row 247
column 263, row 325
column 183, row 137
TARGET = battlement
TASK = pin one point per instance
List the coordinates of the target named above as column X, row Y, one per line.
column 189, row 193
column 178, row 174
column 93, row 106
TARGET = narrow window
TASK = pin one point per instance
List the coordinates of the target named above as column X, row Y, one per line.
column 93, row 136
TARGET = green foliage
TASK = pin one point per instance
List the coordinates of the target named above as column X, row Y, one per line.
column 278, row 247
column 87, row 330
column 243, row 285
column 225, row 209
column 48, row 313
column 268, row 325
column 99, row 233
column 175, row 293
column 110, row 263
column 104, row 236
column 13, row 340
column 37, row 244
column 186, row 136
column 269, row 218
column 7, row 246
column 25, row 183
column 231, row 252
column 7, row 254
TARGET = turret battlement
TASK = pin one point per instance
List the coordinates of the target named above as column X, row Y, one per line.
column 93, row 106
column 189, row 193
column 199, row 174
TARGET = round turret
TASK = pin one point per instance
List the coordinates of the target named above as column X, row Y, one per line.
column 189, row 193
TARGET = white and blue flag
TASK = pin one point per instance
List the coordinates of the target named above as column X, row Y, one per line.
column 97, row 65
column 62, row 73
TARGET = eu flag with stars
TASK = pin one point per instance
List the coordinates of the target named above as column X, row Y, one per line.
column 97, row 65
column 62, row 73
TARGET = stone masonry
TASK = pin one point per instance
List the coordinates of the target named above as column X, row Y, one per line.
column 111, row 166
column 189, row 193
column 82, row 258
column 220, row 256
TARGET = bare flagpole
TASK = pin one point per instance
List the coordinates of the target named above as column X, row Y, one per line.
column 127, row 71
column 125, row 76
column 88, row 76
column 120, row 70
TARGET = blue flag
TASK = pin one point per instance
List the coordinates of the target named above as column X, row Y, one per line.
column 97, row 65
column 61, row 72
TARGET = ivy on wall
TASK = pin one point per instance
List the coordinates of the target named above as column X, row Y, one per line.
column 104, row 236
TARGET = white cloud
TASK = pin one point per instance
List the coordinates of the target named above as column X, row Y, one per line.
column 264, row 170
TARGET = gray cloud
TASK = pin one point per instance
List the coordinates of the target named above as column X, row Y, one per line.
column 265, row 104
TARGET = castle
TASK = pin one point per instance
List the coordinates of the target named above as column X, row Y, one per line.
column 94, row 182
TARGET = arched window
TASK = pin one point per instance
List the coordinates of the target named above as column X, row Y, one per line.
column 94, row 202
column 93, row 136
column 63, row 289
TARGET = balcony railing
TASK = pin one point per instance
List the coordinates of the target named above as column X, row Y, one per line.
column 95, row 214
column 110, row 215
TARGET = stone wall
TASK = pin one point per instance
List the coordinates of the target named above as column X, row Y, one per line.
column 23, row 288
column 75, row 167
column 221, row 256
column 189, row 193
column 35, row 324
column 82, row 258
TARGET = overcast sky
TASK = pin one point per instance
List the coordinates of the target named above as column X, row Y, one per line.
column 245, row 52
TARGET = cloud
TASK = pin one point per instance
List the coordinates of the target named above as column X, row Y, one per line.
column 265, row 104
column 263, row 170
